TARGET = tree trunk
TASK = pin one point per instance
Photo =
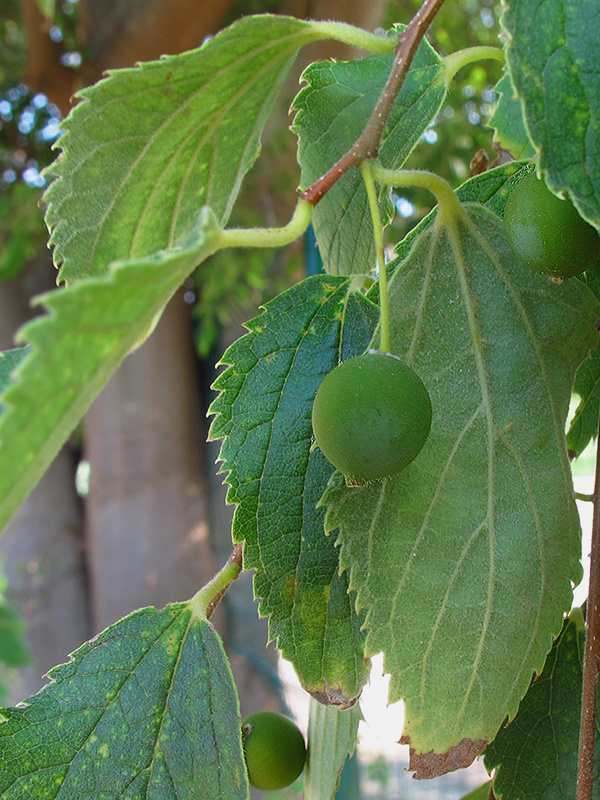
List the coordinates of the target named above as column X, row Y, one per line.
column 41, row 549
column 146, row 509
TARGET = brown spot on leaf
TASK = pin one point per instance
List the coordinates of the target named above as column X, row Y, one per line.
column 333, row 697
column 431, row 765
column 289, row 589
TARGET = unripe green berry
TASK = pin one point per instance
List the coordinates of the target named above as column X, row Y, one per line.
column 274, row 750
column 371, row 416
column 546, row 233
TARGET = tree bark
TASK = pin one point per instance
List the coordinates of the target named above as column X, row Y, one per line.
column 146, row 509
column 42, row 548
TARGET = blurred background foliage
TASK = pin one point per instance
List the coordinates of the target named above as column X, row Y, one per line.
column 28, row 128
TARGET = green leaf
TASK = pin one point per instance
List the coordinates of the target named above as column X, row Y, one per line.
column 332, row 111
column 584, row 425
column 147, row 147
column 507, row 121
column 332, row 735
column 536, row 755
column 264, row 415
column 481, row 793
column 554, row 64
column 9, row 360
column 464, row 561
column 90, row 328
column 146, row 709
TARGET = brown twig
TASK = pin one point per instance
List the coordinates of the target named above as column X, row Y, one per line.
column 591, row 658
column 235, row 558
column 367, row 145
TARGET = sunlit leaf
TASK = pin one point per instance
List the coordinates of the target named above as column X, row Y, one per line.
column 147, row 147
column 146, row 709
column 464, row 561
column 74, row 349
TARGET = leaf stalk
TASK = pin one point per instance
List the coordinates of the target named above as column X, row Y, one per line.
column 353, row 36
column 208, row 598
column 449, row 207
column 461, row 58
column 268, row 237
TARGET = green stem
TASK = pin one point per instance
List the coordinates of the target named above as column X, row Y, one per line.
column 449, row 207
column 268, row 237
column 206, row 600
column 588, row 498
column 384, row 318
column 355, row 37
column 461, row 58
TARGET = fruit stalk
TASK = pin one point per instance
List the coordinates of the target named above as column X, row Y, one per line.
column 384, row 316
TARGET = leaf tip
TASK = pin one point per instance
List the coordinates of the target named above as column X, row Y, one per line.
column 432, row 765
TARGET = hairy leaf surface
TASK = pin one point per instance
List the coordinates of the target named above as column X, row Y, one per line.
column 147, row 147
column 554, row 64
column 264, row 413
column 74, row 349
column 464, row 561
column 146, row 709
column 332, row 111
column 535, row 757
column 584, row 425
column 507, row 121
column 9, row 361
column 332, row 735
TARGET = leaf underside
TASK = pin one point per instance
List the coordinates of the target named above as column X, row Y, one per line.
column 146, row 709
column 464, row 561
column 332, row 735
column 264, row 414
column 331, row 113
column 147, row 147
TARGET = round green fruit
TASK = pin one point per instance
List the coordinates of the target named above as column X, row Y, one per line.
column 546, row 233
column 371, row 416
column 274, row 749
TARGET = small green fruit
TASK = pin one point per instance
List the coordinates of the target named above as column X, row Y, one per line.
column 371, row 416
column 546, row 233
column 274, row 749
